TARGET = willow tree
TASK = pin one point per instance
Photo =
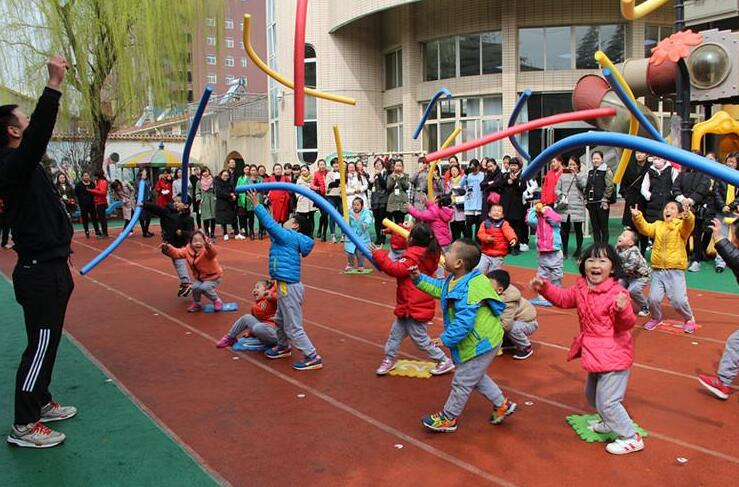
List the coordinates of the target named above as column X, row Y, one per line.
column 124, row 54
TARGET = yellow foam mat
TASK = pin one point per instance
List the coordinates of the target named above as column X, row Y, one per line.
column 413, row 368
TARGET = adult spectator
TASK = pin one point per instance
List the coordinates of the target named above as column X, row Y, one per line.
column 457, row 191
column 726, row 206
column 4, row 227
column 100, row 199
column 43, row 284
column 194, row 203
column 87, row 204
column 600, row 192
column 420, row 187
column 125, row 193
column 549, row 186
column 398, row 185
column 630, row 189
column 511, row 197
column 226, row 205
column 378, row 198
column 726, row 249
column 66, row 191
column 246, row 223
column 163, row 189
column 205, row 195
column 570, row 204
column 280, row 200
column 333, row 194
column 491, row 185
column 656, row 188
column 356, row 185
column 691, row 188
column 472, row 183
column 145, row 217
column 319, row 185
column 177, row 183
column 453, row 161
column 304, row 206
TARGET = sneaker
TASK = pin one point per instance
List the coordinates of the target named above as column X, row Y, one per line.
column 719, row 270
column 239, row 237
column 624, row 446
column 515, row 251
column 194, row 308
column 599, row 427
column 714, row 385
column 333, row 238
column 180, row 290
column 440, row 422
column 186, row 290
column 694, row 267
column 348, row 268
column 386, row 366
column 34, row 435
column 505, row 409
column 311, row 363
column 225, row 342
column 278, row 352
column 445, row 365
column 523, row 247
column 689, row 326
column 523, row 354
column 56, row 412
column 225, row 237
column 651, row 324
column 644, row 311
column 360, row 270
column 218, row 305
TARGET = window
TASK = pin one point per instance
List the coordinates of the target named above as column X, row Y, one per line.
column 447, row 58
column 589, row 39
column 241, row 45
column 229, row 61
column 394, row 129
column 212, row 78
column 431, row 61
column 469, row 55
column 477, row 54
column 559, row 53
column 211, row 41
column 492, row 53
column 229, row 78
column 210, row 21
column 653, row 34
column 394, row 70
column 229, row 24
column 229, row 42
column 307, row 135
column 551, row 48
column 241, row 26
column 243, row 62
column 210, row 59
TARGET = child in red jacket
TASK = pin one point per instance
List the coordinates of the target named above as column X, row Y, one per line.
column 260, row 321
column 496, row 236
column 200, row 255
column 413, row 308
column 604, row 343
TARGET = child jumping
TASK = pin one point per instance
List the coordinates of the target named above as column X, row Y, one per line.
column 360, row 219
column 472, row 332
column 604, row 343
column 635, row 267
column 519, row 317
column 260, row 321
column 669, row 261
column 286, row 248
column 414, row 309
column 549, row 243
column 200, row 255
column 496, row 237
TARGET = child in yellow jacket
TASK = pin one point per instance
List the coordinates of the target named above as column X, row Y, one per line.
column 669, row 261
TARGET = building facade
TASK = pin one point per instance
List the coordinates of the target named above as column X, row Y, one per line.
column 393, row 55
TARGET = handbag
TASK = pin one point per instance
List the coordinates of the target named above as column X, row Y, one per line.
column 563, row 202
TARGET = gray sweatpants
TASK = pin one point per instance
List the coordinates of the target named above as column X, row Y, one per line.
column 205, row 287
column 264, row 332
column 551, row 267
column 418, row 332
column 489, row 264
column 180, row 265
column 472, row 375
column 289, row 318
column 671, row 282
column 635, row 286
column 728, row 367
column 520, row 333
column 605, row 392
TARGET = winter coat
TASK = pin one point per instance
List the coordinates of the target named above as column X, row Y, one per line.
column 548, row 237
column 471, row 310
column 696, row 186
column 572, row 185
column 630, row 189
column 304, row 204
column 84, row 197
column 319, row 181
column 356, row 187
column 163, row 189
column 730, row 254
column 670, row 238
column 409, row 300
column 69, row 198
column 548, row 187
column 438, row 218
column 280, row 200
column 100, row 193
column 722, row 197
column 457, row 191
column 472, row 182
column 286, row 248
column 397, row 190
column 600, row 188
column 495, row 236
column 225, row 206
column 203, row 263
column 127, row 198
column 491, row 187
column 517, row 308
column 361, row 226
column 604, row 343
column 656, row 188
column 265, row 308
column 171, row 221
column 633, row 262
column 511, row 197
column 333, row 183
column 378, row 199
column 207, row 201
column 241, row 200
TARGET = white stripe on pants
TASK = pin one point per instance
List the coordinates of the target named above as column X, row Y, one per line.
column 672, row 283
column 289, row 318
column 38, row 360
column 605, row 392
column 205, row 287
column 728, row 367
column 472, row 375
column 520, row 332
column 180, row 266
column 636, row 286
column 418, row 332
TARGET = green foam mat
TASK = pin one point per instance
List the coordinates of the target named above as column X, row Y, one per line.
column 581, row 423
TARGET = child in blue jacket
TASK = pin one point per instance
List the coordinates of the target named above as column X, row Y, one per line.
column 472, row 331
column 287, row 247
column 360, row 219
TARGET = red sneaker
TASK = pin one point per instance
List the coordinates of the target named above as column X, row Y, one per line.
column 714, row 385
column 194, row 308
column 218, row 305
column 225, row 342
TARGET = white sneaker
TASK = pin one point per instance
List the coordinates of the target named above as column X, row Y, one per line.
column 598, row 427
column 386, row 366
column 34, row 435
column 239, row 237
column 446, row 365
column 644, row 311
column 625, row 446
column 523, row 247
column 694, row 267
column 56, row 412
column 225, row 237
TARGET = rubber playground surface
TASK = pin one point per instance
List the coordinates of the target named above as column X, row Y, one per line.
column 160, row 405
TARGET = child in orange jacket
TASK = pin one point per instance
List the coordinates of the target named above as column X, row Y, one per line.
column 496, row 236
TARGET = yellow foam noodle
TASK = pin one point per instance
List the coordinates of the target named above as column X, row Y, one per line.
column 432, row 167
column 395, row 228
column 631, row 11
column 342, row 173
column 721, row 124
column 623, row 163
column 278, row 77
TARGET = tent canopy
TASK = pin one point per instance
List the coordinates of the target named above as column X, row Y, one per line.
column 156, row 158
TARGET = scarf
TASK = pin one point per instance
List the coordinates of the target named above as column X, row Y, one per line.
column 206, row 183
column 307, row 178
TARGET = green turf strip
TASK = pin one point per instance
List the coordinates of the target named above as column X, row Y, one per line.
column 110, row 442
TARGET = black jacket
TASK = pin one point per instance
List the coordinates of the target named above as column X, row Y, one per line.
column 41, row 228
column 84, row 197
column 225, row 206
column 692, row 184
column 172, row 220
column 730, row 254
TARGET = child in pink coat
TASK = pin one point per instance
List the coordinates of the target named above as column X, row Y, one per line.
column 438, row 214
column 604, row 344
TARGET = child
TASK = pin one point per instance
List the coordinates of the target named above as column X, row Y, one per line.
column 635, row 267
column 549, row 242
column 496, row 236
column 260, row 322
column 472, row 331
column 414, row 309
column 728, row 367
column 177, row 226
column 438, row 214
column 519, row 317
column 200, row 254
column 287, row 246
column 360, row 219
column 669, row 261
column 604, row 343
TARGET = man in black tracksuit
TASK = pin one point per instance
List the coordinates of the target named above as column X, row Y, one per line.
column 177, row 227
column 42, row 232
